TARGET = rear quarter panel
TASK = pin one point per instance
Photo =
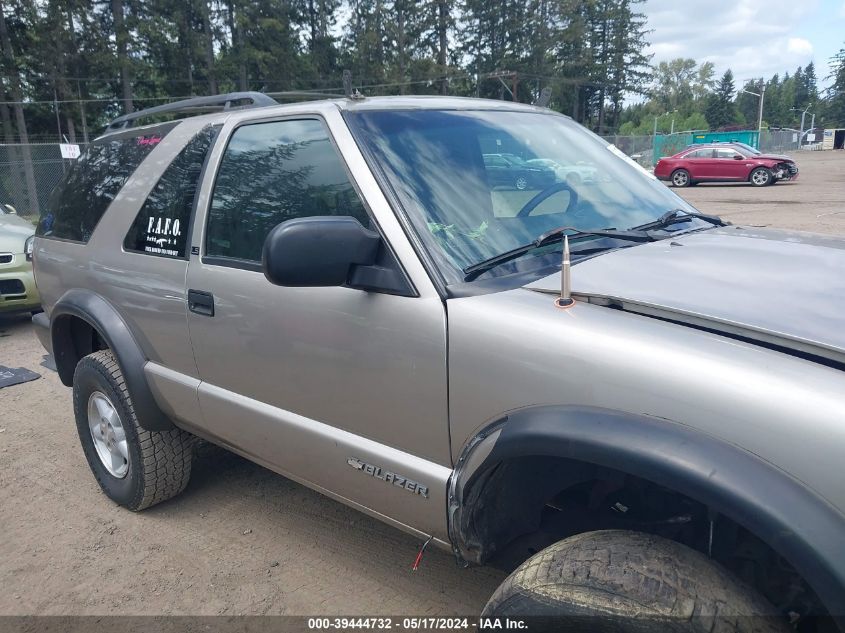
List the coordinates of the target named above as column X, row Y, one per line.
column 148, row 291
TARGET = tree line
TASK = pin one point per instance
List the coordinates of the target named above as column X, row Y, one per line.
column 70, row 66
column 685, row 95
column 93, row 60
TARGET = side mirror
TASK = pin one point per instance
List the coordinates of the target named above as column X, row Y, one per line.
column 317, row 251
column 738, row 157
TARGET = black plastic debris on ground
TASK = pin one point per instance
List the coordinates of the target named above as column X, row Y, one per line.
column 49, row 362
column 16, row 375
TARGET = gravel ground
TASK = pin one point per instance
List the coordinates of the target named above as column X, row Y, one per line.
column 814, row 202
column 242, row 540
column 239, row 540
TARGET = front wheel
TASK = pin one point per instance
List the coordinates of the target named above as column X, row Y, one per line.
column 680, row 178
column 761, row 177
column 136, row 468
column 521, row 183
column 616, row 580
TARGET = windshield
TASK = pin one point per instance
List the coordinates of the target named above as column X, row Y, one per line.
column 475, row 184
column 747, row 150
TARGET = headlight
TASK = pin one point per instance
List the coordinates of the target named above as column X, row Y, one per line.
column 28, row 247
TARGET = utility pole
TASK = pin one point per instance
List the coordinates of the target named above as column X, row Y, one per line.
column 58, row 118
column 803, row 115
column 761, row 96
column 82, row 113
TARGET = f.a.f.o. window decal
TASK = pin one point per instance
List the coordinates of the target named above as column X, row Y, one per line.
column 162, row 236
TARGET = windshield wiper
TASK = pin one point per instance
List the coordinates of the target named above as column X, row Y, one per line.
column 676, row 216
column 549, row 237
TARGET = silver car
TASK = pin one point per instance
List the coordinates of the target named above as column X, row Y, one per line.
column 637, row 409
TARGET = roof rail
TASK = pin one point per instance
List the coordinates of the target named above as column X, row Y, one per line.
column 195, row 105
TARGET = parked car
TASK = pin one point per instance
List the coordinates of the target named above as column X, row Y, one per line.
column 743, row 147
column 17, row 284
column 724, row 162
column 512, row 171
column 645, row 424
column 574, row 174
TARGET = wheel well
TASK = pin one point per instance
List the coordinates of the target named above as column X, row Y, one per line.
column 73, row 339
column 523, row 504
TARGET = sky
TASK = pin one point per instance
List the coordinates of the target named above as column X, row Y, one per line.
column 754, row 38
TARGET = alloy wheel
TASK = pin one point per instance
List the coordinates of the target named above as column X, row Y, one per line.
column 108, row 435
column 760, row 177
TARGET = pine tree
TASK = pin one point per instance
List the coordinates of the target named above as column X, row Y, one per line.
column 720, row 110
column 834, row 111
column 810, row 82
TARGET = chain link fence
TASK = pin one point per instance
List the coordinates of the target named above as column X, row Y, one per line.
column 640, row 148
column 783, row 141
column 28, row 174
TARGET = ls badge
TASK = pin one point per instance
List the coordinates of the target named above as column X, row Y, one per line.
column 392, row 478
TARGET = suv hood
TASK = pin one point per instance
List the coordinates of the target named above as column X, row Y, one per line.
column 775, row 287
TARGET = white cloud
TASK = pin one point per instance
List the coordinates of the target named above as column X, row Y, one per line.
column 799, row 46
column 752, row 38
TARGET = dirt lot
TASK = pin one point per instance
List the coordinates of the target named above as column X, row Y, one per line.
column 239, row 540
column 242, row 540
column 814, row 202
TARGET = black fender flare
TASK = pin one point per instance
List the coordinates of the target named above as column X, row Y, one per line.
column 785, row 513
column 106, row 320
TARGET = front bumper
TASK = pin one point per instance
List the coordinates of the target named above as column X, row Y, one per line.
column 17, row 285
column 788, row 171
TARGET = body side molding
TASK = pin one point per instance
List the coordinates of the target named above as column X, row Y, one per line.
column 790, row 517
column 110, row 326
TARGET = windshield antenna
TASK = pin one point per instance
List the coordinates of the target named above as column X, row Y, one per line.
column 565, row 299
column 347, row 86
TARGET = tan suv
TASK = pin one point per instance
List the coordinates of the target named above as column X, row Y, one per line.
column 339, row 291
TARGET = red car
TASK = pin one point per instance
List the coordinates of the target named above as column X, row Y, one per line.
column 723, row 162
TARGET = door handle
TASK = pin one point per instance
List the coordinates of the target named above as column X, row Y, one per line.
column 201, row 302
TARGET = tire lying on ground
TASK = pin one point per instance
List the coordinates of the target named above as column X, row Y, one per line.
column 616, row 580
column 136, row 468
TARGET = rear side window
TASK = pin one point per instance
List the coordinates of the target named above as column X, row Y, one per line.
column 700, row 153
column 161, row 226
column 77, row 204
column 273, row 172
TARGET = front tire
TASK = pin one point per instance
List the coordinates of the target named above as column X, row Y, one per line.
column 136, row 468
column 616, row 580
column 761, row 177
column 680, row 178
column 521, row 183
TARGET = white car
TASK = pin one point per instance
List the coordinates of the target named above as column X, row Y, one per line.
column 573, row 174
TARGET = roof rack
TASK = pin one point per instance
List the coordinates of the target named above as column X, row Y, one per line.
column 196, row 105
